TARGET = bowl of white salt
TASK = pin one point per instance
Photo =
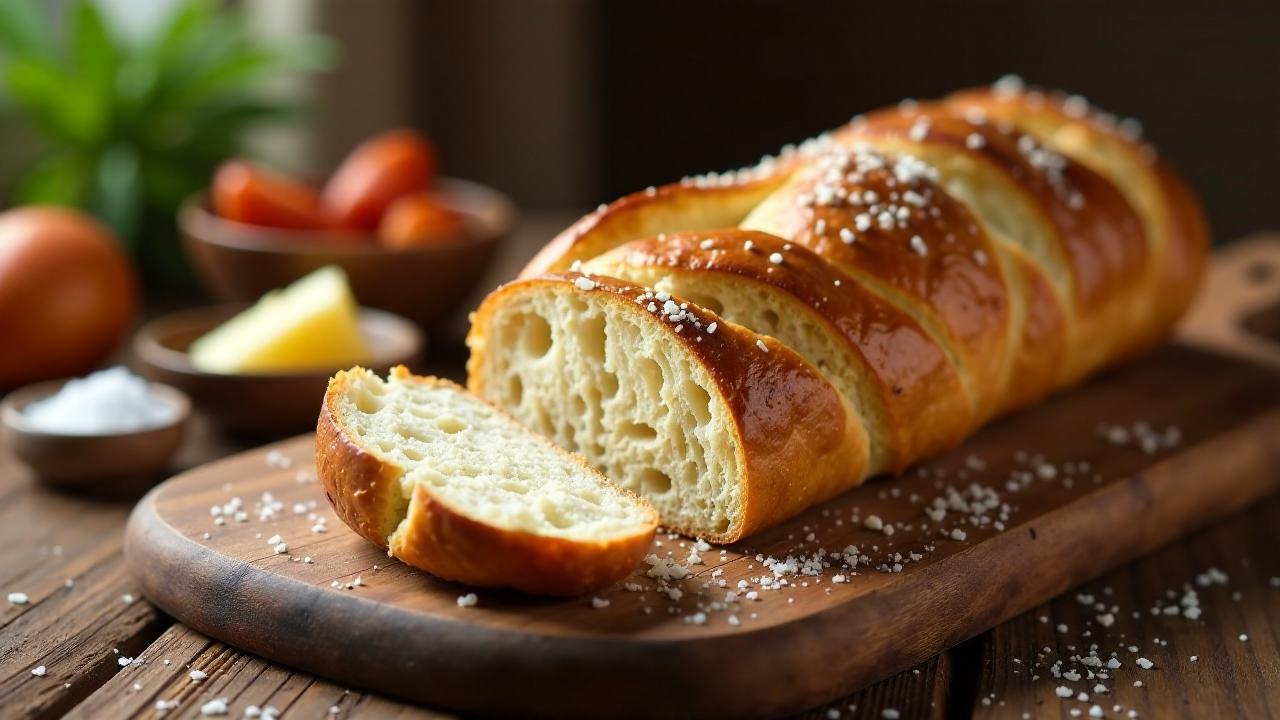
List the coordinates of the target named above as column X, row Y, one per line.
column 111, row 432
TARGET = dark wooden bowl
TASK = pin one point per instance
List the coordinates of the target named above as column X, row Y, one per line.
column 109, row 464
column 236, row 262
column 265, row 404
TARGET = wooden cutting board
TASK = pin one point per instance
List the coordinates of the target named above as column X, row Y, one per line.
column 1078, row 504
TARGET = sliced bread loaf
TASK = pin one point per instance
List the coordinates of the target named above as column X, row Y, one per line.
column 725, row 430
column 450, row 484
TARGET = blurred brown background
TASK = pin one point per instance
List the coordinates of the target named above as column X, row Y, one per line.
column 564, row 104
column 568, row 103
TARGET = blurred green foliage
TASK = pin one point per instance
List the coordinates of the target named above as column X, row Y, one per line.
column 129, row 128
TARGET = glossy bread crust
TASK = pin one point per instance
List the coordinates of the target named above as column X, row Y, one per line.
column 919, row 392
column 688, row 205
column 1026, row 237
column 798, row 442
column 364, row 490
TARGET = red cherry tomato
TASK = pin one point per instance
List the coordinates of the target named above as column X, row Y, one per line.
column 419, row 219
column 375, row 175
column 249, row 194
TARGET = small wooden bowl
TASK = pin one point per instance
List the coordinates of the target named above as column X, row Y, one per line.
column 113, row 464
column 236, row 262
column 266, row 404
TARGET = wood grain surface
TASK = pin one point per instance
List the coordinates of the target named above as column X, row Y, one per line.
column 1078, row 505
column 1222, row 663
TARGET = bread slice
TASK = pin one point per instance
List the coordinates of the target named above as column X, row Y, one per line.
column 452, row 485
column 846, row 330
column 724, row 430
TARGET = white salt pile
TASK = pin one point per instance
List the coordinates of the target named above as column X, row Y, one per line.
column 106, row 402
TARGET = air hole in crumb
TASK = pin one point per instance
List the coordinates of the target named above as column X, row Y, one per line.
column 722, row 525
column 609, row 384
column 637, row 431
column 414, row 433
column 535, row 335
column 650, row 374
column 543, row 423
column 592, row 338
column 577, row 305
column 569, row 439
column 512, row 486
column 413, row 453
column 654, row 481
column 771, row 318
column 366, row 402
column 590, row 496
column 699, row 401
column 554, row 516
column 577, row 406
column 689, row 473
column 450, row 424
column 386, row 446
column 515, row 389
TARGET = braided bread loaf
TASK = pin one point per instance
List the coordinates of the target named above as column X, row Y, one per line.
column 737, row 348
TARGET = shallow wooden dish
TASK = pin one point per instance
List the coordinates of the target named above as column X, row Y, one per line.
column 114, row 464
column 239, row 263
column 265, row 404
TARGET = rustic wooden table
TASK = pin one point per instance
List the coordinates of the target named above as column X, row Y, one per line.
column 88, row 645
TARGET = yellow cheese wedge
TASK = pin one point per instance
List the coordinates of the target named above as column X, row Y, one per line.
column 313, row 324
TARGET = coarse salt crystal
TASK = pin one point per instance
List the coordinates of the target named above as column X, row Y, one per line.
column 599, row 603
column 108, row 401
column 584, row 283
column 217, row 706
column 18, row 598
column 468, row 600
column 38, row 671
column 197, row 675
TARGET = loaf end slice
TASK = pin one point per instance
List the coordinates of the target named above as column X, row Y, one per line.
column 452, row 485
column 726, row 431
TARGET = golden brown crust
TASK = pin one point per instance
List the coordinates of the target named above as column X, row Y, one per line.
column 1176, row 231
column 687, row 205
column 451, row 545
column 1096, row 232
column 797, row 439
column 917, row 388
column 364, row 490
column 932, row 251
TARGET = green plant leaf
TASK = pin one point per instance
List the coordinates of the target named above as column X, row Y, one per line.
column 95, row 61
column 23, row 30
column 48, row 95
column 116, row 197
column 59, row 179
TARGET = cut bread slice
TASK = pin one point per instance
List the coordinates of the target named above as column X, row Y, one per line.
column 902, row 384
column 725, row 430
column 452, row 485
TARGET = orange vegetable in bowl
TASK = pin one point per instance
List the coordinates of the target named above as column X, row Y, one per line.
column 375, row 175
column 67, row 294
column 419, row 219
column 246, row 193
